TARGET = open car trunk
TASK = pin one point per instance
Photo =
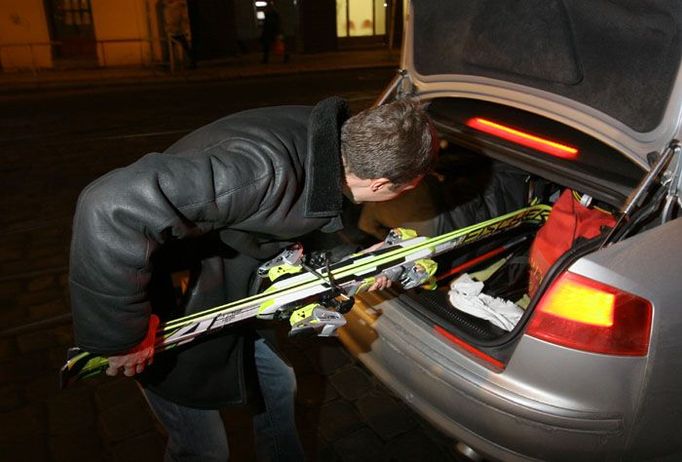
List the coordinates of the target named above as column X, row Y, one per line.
column 480, row 177
column 470, row 189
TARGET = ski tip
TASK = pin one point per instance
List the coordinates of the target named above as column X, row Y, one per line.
column 64, row 378
column 79, row 365
column 73, row 352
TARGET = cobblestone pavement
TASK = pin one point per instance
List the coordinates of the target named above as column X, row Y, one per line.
column 344, row 413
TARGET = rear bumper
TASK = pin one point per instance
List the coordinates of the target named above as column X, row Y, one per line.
column 471, row 403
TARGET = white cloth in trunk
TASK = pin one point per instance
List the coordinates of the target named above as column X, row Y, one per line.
column 465, row 295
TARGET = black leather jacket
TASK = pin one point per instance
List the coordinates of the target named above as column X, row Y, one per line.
column 216, row 203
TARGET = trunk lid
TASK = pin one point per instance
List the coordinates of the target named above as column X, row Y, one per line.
column 609, row 69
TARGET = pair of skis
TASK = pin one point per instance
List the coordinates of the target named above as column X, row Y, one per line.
column 310, row 297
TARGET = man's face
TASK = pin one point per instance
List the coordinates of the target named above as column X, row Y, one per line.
column 376, row 190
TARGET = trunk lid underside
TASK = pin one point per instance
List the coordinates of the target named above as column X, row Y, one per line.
column 617, row 62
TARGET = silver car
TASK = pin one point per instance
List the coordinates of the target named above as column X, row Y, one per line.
column 601, row 77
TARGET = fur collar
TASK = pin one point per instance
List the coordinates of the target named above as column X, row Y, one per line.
column 323, row 183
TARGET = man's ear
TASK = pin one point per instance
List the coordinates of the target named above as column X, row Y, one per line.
column 379, row 183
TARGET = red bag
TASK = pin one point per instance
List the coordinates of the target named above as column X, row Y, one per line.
column 568, row 221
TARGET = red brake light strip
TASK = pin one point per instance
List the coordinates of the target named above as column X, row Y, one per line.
column 522, row 138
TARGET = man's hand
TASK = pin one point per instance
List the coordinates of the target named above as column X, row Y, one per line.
column 381, row 282
column 136, row 359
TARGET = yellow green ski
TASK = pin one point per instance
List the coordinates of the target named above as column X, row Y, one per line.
column 309, row 297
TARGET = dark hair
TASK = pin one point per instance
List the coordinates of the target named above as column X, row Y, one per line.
column 396, row 141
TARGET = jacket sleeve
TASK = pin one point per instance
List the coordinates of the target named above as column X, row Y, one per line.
column 123, row 217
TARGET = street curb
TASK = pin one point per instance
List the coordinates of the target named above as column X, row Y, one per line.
column 144, row 78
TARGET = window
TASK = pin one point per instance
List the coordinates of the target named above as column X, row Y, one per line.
column 358, row 18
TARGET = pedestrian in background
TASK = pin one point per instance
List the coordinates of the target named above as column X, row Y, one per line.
column 176, row 25
column 272, row 36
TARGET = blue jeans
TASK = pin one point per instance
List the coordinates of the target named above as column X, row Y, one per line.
column 199, row 435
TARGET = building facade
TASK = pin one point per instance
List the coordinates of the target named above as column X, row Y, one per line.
column 37, row 34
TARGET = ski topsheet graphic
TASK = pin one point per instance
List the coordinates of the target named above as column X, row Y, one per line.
column 314, row 299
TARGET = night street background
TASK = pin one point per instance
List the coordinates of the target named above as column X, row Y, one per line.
column 53, row 143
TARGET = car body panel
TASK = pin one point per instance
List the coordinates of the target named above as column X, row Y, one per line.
column 480, row 407
column 645, row 265
column 598, row 405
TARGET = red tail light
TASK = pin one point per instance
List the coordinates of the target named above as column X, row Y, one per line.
column 580, row 313
column 523, row 138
